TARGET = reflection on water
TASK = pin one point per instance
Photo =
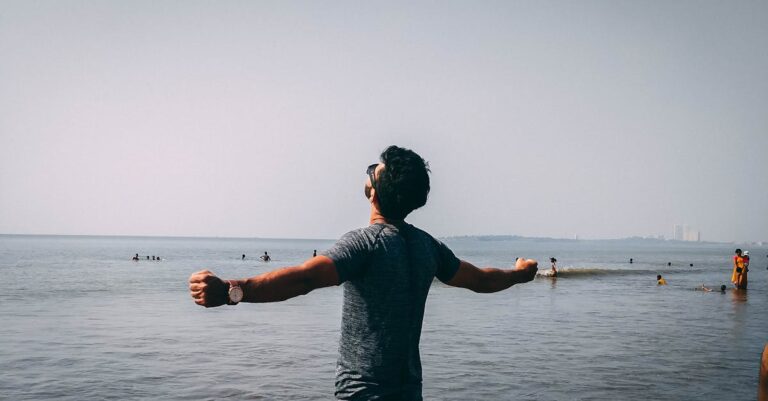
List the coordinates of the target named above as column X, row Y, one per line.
column 740, row 317
column 738, row 296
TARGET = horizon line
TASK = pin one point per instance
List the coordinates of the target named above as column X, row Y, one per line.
column 635, row 237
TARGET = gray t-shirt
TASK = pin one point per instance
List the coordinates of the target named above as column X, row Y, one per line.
column 387, row 271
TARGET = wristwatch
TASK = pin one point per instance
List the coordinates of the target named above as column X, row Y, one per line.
column 235, row 293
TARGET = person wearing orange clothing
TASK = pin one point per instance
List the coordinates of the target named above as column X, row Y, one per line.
column 762, row 390
column 739, row 276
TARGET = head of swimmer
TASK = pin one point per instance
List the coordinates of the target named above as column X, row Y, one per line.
column 399, row 184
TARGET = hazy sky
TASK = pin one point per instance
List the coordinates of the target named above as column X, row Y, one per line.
column 598, row 119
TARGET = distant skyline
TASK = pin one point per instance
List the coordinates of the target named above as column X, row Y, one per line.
column 595, row 119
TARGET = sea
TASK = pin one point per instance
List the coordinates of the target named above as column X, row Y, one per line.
column 79, row 320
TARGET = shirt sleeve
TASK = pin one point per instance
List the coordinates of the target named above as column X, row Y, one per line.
column 350, row 254
column 447, row 264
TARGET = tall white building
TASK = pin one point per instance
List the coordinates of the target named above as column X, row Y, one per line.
column 677, row 233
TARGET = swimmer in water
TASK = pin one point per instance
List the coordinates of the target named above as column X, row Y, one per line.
column 660, row 280
column 265, row 257
column 703, row 288
column 707, row 289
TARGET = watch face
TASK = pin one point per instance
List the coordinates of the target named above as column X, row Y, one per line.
column 235, row 294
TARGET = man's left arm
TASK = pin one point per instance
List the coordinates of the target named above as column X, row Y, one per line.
column 278, row 285
column 489, row 279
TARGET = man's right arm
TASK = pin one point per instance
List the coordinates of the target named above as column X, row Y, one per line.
column 278, row 285
column 489, row 279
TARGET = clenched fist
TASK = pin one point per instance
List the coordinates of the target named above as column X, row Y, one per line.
column 526, row 269
column 207, row 289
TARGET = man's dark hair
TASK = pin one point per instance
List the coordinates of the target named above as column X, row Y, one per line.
column 738, row 250
column 658, row 277
column 403, row 184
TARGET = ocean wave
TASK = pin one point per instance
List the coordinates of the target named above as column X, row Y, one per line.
column 588, row 272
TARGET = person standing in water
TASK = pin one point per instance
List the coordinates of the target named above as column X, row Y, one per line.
column 738, row 264
column 739, row 276
column 265, row 257
column 660, row 280
column 553, row 272
column 387, row 269
column 746, row 260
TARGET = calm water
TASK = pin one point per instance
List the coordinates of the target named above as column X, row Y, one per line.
column 80, row 321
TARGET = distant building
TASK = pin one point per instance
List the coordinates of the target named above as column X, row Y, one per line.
column 689, row 234
column 677, row 233
column 686, row 233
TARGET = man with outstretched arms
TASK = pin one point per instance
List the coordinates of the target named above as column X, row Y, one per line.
column 387, row 269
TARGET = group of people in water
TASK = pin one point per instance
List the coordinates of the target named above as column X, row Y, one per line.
column 266, row 258
column 738, row 277
column 136, row 258
column 661, row 281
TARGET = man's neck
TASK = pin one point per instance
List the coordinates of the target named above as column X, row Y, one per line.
column 377, row 218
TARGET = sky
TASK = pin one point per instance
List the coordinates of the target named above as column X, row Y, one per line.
column 596, row 119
